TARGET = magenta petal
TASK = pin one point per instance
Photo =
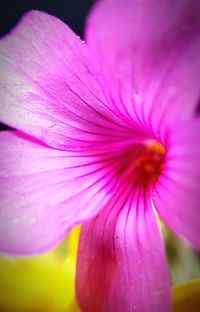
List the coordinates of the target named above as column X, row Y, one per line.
column 176, row 194
column 121, row 263
column 46, row 87
column 148, row 53
column 44, row 192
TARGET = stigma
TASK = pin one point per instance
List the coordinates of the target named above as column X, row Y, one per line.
column 143, row 163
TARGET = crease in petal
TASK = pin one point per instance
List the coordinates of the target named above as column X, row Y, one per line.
column 121, row 263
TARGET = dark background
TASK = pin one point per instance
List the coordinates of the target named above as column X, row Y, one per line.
column 72, row 12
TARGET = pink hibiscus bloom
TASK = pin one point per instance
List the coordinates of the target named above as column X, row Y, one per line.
column 107, row 134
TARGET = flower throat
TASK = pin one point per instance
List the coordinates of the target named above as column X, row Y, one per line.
column 143, row 163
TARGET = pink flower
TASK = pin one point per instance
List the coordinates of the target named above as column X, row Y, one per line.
column 107, row 133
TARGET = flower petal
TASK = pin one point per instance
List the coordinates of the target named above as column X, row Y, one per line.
column 47, row 89
column 44, row 192
column 177, row 191
column 148, row 53
column 121, row 264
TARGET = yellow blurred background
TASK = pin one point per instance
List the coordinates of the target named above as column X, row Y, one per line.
column 43, row 283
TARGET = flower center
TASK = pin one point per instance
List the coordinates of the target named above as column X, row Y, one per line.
column 144, row 163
